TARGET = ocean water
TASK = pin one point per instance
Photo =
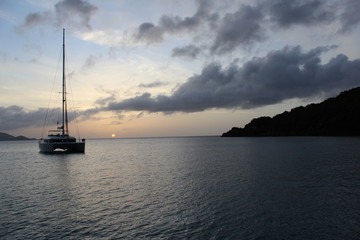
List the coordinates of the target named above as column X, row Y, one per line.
column 183, row 188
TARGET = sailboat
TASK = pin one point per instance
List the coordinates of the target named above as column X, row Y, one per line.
column 59, row 140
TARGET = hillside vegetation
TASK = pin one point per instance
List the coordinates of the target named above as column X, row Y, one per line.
column 339, row 116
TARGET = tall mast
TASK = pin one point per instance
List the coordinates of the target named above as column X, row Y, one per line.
column 64, row 103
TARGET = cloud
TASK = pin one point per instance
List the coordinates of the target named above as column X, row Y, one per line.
column 33, row 19
column 112, row 94
column 90, row 113
column 286, row 13
column 73, row 11
column 90, row 62
column 350, row 16
column 280, row 75
column 189, row 51
column 14, row 117
column 151, row 33
column 251, row 24
column 76, row 13
column 243, row 27
column 284, row 74
column 238, row 29
column 152, row 84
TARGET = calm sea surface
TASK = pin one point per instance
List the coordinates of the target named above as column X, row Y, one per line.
column 183, row 188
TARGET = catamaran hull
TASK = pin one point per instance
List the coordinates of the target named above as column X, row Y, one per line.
column 66, row 147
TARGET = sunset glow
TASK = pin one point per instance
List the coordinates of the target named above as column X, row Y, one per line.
column 170, row 68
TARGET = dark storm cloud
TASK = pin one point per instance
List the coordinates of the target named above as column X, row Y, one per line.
column 286, row 13
column 77, row 11
column 14, row 117
column 240, row 28
column 284, row 74
column 189, row 51
column 350, row 16
column 247, row 25
column 250, row 24
column 67, row 12
column 151, row 33
column 90, row 113
column 280, row 75
column 230, row 31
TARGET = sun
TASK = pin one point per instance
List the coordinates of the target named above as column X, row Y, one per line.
column 113, row 135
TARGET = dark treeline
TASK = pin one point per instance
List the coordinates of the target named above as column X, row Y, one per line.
column 339, row 116
column 8, row 137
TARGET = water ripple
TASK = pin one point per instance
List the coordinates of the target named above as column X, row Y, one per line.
column 183, row 188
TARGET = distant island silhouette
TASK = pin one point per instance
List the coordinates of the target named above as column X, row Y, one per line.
column 338, row 116
column 8, row 137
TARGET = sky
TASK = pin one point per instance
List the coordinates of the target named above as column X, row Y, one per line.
column 156, row 68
